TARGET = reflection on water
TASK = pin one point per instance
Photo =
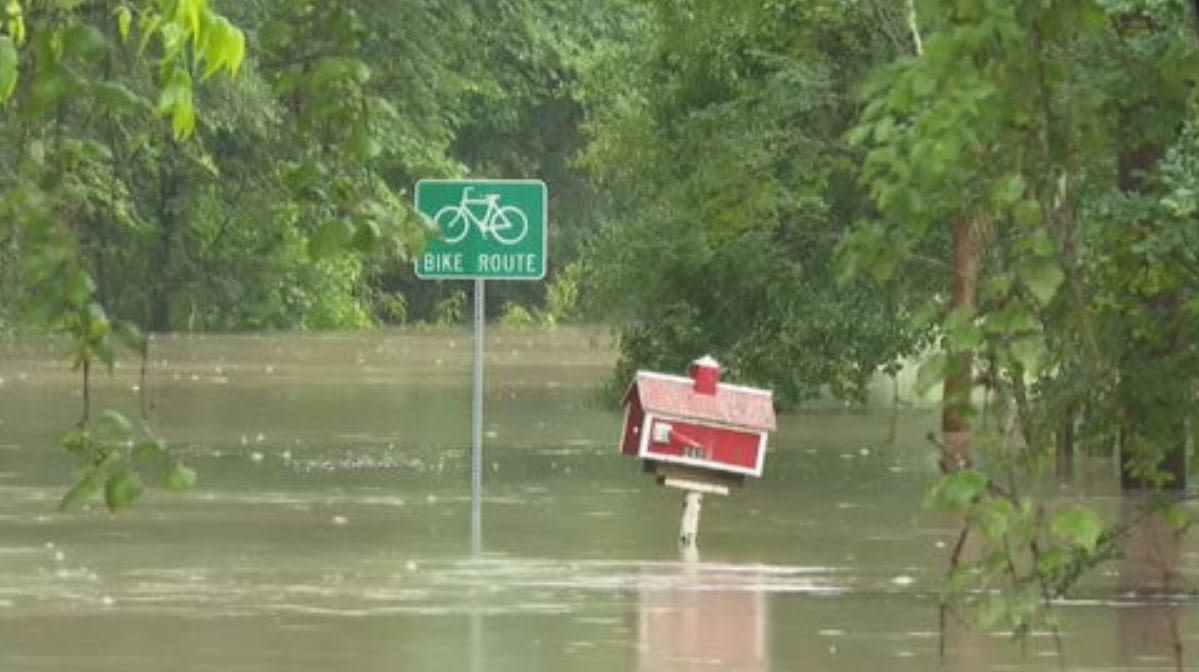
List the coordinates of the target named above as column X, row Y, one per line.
column 330, row 529
column 1149, row 627
column 690, row 625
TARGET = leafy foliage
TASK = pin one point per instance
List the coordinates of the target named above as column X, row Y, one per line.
column 1054, row 129
column 113, row 454
column 717, row 132
column 781, row 184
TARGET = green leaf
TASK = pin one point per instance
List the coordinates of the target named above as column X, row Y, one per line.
column 306, row 176
column 338, row 68
column 858, row 134
column 118, row 98
column 84, row 489
column 1029, row 352
column 122, row 488
column 124, row 22
column 85, row 41
column 79, row 288
column 364, row 146
column 1027, row 214
column 330, row 239
column 179, row 478
column 228, row 47
column 962, row 332
column 8, row 68
column 1092, row 16
column 114, row 424
column 16, row 23
column 923, row 84
column 148, row 25
column 931, row 373
column 1038, row 244
column 98, row 325
column 1013, row 319
column 1043, row 277
column 884, row 130
column 1053, row 561
column 995, row 287
column 183, row 119
column 957, row 490
column 187, row 15
column 130, row 336
column 77, row 440
column 992, row 612
column 224, row 47
column 176, row 100
column 994, row 517
column 53, row 84
column 1178, row 518
column 150, row 449
column 366, row 237
column 1007, row 190
column 236, row 50
column 1078, row 526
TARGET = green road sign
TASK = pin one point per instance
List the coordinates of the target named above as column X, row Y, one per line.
column 488, row 229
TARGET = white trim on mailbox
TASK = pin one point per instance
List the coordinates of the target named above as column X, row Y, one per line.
column 624, row 427
column 643, row 445
column 761, row 453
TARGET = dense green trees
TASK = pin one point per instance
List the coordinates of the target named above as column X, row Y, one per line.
column 279, row 198
column 167, row 167
column 716, row 130
column 97, row 103
column 1054, row 144
column 175, row 223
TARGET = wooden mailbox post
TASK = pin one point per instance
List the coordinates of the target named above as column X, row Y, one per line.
column 696, row 433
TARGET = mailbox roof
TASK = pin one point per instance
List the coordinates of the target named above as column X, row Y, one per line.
column 734, row 405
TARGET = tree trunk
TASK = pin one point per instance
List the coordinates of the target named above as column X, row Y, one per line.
column 955, row 402
column 1153, row 435
column 1065, row 443
column 160, row 257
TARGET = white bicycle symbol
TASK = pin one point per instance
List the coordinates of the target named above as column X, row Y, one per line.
column 505, row 222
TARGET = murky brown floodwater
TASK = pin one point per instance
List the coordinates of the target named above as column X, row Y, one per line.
column 329, row 531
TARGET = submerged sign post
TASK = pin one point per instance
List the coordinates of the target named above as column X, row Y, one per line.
column 486, row 230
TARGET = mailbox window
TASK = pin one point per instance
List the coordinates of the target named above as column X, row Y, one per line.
column 661, row 433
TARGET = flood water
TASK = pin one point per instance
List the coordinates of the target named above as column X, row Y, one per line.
column 330, row 530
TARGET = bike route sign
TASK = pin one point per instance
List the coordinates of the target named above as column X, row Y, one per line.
column 486, row 229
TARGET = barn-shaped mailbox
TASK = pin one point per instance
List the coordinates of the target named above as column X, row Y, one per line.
column 697, row 424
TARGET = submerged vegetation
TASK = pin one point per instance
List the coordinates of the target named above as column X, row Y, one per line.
column 813, row 191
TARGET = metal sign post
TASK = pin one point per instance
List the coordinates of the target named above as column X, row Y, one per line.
column 487, row 230
column 476, row 426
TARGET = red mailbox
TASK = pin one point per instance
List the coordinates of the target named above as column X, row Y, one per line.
column 697, row 425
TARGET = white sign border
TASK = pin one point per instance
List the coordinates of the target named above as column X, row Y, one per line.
column 545, row 228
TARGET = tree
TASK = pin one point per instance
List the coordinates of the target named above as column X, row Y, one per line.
column 717, row 129
column 161, row 167
column 62, row 194
column 1021, row 130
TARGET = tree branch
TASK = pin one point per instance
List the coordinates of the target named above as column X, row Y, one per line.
column 918, row 43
